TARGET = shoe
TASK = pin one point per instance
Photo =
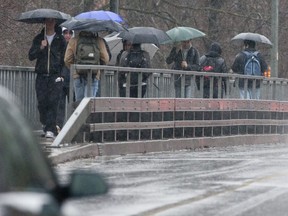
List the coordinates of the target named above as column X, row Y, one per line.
column 58, row 129
column 50, row 134
column 43, row 133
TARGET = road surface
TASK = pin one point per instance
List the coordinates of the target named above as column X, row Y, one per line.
column 237, row 180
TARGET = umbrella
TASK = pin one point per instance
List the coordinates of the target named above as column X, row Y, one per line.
column 253, row 37
column 183, row 33
column 139, row 35
column 92, row 25
column 100, row 15
column 115, row 45
column 39, row 16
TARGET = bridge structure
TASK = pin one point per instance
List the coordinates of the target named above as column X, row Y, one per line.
column 110, row 124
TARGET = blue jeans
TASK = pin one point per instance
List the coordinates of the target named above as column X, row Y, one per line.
column 80, row 88
column 187, row 91
column 249, row 94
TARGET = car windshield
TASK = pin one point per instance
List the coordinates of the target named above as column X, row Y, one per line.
column 23, row 165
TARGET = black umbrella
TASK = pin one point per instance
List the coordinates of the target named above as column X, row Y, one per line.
column 138, row 35
column 39, row 16
column 253, row 37
column 92, row 25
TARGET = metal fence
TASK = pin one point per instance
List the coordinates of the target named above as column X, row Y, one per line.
column 160, row 84
column 21, row 81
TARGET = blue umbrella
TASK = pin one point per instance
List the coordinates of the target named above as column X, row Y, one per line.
column 100, row 15
column 92, row 25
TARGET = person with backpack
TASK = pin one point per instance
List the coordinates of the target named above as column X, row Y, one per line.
column 67, row 34
column 48, row 49
column 126, row 47
column 249, row 62
column 186, row 58
column 212, row 61
column 86, row 48
column 137, row 58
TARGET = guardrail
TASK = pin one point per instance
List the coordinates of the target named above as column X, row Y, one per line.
column 161, row 82
column 115, row 119
column 21, row 81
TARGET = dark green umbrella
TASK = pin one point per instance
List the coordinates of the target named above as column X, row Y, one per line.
column 183, row 33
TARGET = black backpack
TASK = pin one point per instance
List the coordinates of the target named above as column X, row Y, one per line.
column 136, row 59
column 87, row 51
column 211, row 64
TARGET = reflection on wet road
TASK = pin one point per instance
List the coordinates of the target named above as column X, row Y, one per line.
column 236, row 180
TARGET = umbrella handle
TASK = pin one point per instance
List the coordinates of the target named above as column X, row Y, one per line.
column 45, row 31
column 182, row 55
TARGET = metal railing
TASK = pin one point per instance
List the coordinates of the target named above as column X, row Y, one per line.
column 21, row 81
column 160, row 84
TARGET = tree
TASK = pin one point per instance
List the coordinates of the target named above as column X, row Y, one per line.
column 219, row 19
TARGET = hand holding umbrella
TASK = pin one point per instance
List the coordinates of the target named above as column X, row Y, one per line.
column 41, row 14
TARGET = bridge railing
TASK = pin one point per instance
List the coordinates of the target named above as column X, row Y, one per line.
column 21, row 81
column 160, row 84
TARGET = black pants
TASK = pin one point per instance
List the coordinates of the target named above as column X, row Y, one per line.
column 48, row 94
column 134, row 91
column 62, row 106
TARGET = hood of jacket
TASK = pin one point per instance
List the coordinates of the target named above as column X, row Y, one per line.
column 215, row 50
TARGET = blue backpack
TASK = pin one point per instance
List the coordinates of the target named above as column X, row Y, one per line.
column 252, row 66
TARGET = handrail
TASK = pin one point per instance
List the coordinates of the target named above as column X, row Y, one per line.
column 21, row 81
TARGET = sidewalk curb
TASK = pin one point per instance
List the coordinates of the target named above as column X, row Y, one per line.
column 90, row 150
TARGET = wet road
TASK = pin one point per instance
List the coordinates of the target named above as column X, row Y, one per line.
column 238, row 180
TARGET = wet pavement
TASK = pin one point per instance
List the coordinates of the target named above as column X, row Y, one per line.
column 236, row 180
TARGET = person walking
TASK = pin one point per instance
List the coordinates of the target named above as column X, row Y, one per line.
column 48, row 49
column 186, row 58
column 126, row 47
column 212, row 61
column 94, row 52
column 68, row 34
column 137, row 58
column 240, row 65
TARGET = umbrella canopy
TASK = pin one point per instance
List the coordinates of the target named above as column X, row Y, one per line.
column 253, row 37
column 39, row 16
column 115, row 45
column 92, row 25
column 139, row 35
column 183, row 33
column 100, row 15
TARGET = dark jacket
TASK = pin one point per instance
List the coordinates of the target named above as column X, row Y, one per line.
column 57, row 51
column 239, row 65
column 219, row 66
column 142, row 56
column 215, row 53
column 192, row 60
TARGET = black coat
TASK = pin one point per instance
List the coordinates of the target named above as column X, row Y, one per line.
column 57, row 52
column 192, row 60
column 239, row 65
